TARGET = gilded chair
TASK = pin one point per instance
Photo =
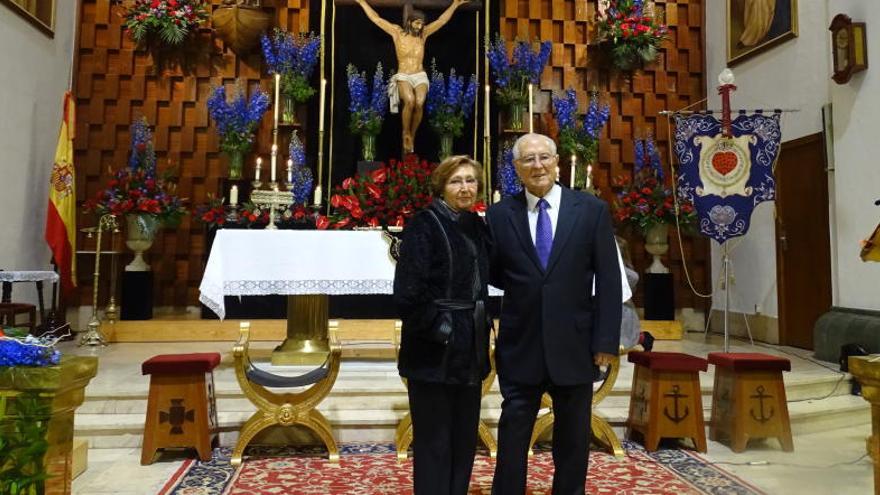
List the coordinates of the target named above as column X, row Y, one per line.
column 285, row 409
column 602, row 431
column 403, row 436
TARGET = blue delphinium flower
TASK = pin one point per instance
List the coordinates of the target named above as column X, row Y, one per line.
column 639, row 153
column 579, row 137
column 367, row 108
column 294, row 58
column 142, row 154
column 31, row 352
column 237, row 120
column 513, row 76
column 507, row 179
column 449, row 102
column 652, row 157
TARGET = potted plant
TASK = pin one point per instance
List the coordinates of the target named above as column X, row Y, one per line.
column 514, row 74
column 647, row 203
column 137, row 191
column 629, row 35
column 293, row 58
column 367, row 106
column 448, row 106
column 167, row 22
column 236, row 122
column 579, row 137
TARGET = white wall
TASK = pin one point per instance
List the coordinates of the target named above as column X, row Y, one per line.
column 856, row 107
column 35, row 73
column 792, row 75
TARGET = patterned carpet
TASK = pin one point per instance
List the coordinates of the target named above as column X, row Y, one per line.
column 373, row 469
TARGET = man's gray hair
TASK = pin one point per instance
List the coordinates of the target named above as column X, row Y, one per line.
column 550, row 143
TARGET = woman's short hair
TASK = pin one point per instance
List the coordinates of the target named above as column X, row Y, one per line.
column 448, row 167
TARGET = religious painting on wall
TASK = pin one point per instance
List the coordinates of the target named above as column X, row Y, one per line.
column 40, row 13
column 753, row 26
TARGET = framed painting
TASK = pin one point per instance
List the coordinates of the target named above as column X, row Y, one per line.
column 753, row 26
column 40, row 13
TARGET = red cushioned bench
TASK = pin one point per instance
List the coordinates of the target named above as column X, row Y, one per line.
column 181, row 409
column 665, row 400
column 748, row 399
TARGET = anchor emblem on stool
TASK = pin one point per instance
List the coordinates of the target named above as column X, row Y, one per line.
column 676, row 395
column 763, row 418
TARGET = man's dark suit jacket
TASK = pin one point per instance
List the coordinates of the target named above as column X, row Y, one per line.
column 550, row 325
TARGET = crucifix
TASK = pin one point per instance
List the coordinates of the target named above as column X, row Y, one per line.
column 410, row 84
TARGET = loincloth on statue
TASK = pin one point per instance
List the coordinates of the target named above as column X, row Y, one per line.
column 414, row 80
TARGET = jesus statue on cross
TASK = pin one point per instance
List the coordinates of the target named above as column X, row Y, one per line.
column 410, row 84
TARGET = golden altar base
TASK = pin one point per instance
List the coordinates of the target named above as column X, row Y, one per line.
column 866, row 369
column 307, row 323
column 64, row 386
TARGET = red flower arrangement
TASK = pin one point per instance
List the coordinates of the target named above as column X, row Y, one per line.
column 646, row 201
column 171, row 20
column 387, row 196
column 629, row 35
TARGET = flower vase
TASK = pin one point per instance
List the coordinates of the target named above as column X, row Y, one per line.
column 445, row 146
column 236, row 163
column 140, row 232
column 288, row 114
column 515, row 114
column 368, row 147
column 656, row 243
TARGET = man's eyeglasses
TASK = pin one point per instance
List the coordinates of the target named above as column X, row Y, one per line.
column 537, row 159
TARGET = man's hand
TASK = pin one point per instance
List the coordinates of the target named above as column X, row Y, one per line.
column 603, row 359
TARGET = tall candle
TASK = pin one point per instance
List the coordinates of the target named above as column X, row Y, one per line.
column 589, row 174
column 496, row 196
column 321, row 105
column 257, row 168
column 486, row 112
column 531, row 102
column 573, row 172
column 233, row 195
column 274, row 160
column 277, row 97
column 317, row 200
column 289, row 170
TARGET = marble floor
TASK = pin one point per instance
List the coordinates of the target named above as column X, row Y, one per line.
column 829, row 452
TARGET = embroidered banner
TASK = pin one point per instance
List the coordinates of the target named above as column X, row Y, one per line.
column 726, row 177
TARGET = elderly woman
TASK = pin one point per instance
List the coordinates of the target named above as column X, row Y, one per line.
column 440, row 287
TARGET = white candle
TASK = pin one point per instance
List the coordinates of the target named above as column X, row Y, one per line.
column 589, row 173
column 274, row 161
column 233, row 195
column 289, row 170
column 257, row 168
column 317, row 200
column 531, row 102
column 277, row 97
column 321, row 105
column 496, row 196
column 573, row 173
column 486, row 112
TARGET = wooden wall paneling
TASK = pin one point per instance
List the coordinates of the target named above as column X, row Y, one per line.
column 116, row 82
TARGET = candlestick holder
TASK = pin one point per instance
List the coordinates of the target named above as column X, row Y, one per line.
column 93, row 335
column 232, row 213
column 272, row 200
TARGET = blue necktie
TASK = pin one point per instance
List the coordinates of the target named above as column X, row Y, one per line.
column 543, row 233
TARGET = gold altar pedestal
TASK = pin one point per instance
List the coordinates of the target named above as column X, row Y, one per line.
column 306, row 342
column 601, row 429
column 866, row 369
column 63, row 389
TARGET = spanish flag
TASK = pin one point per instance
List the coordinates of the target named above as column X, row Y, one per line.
column 61, row 217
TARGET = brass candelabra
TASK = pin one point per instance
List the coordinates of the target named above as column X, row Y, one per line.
column 93, row 335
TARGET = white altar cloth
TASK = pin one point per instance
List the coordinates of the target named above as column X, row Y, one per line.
column 288, row 262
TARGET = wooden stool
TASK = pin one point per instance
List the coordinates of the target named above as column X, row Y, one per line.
column 665, row 401
column 181, row 410
column 9, row 311
column 748, row 400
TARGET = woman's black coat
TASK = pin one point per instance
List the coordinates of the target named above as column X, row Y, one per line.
column 427, row 353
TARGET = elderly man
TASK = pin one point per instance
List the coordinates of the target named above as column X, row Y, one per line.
column 551, row 244
column 410, row 84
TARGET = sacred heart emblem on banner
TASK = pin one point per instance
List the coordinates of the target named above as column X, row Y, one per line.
column 725, row 175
